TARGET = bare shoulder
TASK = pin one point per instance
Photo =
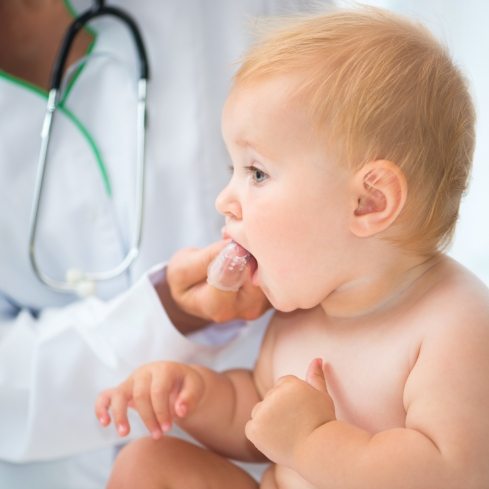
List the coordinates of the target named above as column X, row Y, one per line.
column 452, row 321
column 455, row 317
column 457, row 297
column 446, row 395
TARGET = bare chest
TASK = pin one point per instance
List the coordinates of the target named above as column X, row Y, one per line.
column 368, row 368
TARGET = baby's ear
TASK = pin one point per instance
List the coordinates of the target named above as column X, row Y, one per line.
column 379, row 193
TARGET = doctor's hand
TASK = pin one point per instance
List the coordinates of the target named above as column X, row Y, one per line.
column 289, row 413
column 187, row 282
column 161, row 392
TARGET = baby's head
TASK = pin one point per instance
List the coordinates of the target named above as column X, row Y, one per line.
column 371, row 102
column 377, row 86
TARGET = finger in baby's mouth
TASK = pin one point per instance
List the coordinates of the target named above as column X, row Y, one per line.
column 241, row 251
column 231, row 267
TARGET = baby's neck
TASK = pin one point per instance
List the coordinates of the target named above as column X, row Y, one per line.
column 377, row 284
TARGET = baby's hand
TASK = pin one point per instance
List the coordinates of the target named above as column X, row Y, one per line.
column 289, row 413
column 160, row 392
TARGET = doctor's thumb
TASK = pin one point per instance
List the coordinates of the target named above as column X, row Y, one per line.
column 188, row 266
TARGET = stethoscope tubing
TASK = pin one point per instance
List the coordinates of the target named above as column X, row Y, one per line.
column 80, row 22
column 83, row 283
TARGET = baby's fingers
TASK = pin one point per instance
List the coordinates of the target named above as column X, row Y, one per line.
column 146, row 405
column 102, row 405
column 118, row 407
column 189, row 396
column 160, row 395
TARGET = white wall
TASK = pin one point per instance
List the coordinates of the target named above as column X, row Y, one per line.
column 464, row 27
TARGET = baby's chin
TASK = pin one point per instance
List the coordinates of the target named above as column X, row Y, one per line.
column 278, row 303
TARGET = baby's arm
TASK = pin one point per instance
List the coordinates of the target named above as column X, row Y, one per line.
column 220, row 420
column 213, row 407
column 443, row 445
column 240, row 390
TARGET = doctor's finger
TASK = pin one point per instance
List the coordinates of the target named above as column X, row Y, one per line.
column 188, row 267
column 251, row 301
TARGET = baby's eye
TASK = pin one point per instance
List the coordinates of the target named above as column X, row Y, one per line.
column 257, row 175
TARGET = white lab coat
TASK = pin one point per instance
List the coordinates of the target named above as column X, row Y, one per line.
column 57, row 352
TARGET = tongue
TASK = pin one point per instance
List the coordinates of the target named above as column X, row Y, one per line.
column 229, row 269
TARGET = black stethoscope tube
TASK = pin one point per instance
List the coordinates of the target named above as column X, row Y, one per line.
column 98, row 10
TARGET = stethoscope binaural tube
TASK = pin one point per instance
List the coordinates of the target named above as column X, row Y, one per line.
column 76, row 281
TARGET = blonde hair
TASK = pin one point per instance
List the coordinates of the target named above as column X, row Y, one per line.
column 380, row 86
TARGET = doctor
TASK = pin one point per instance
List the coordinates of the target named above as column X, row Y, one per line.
column 58, row 351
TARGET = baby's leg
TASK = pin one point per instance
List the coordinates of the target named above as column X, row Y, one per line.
column 268, row 480
column 171, row 463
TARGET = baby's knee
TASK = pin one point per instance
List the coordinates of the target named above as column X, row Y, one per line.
column 146, row 464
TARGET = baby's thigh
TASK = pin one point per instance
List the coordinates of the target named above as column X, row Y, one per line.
column 171, row 463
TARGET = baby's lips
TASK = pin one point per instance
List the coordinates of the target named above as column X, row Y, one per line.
column 228, row 270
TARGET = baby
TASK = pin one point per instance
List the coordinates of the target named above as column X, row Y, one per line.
column 351, row 135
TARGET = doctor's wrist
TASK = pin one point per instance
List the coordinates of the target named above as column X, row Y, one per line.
column 185, row 323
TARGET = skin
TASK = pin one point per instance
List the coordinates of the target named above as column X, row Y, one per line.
column 375, row 374
column 30, row 36
column 191, row 302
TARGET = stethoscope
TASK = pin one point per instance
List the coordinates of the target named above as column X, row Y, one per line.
column 76, row 281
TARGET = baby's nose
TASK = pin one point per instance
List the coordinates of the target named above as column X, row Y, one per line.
column 227, row 204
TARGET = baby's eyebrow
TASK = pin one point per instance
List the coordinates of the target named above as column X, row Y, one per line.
column 244, row 142
column 247, row 144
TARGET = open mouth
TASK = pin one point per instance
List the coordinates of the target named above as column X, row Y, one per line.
column 231, row 267
column 244, row 257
